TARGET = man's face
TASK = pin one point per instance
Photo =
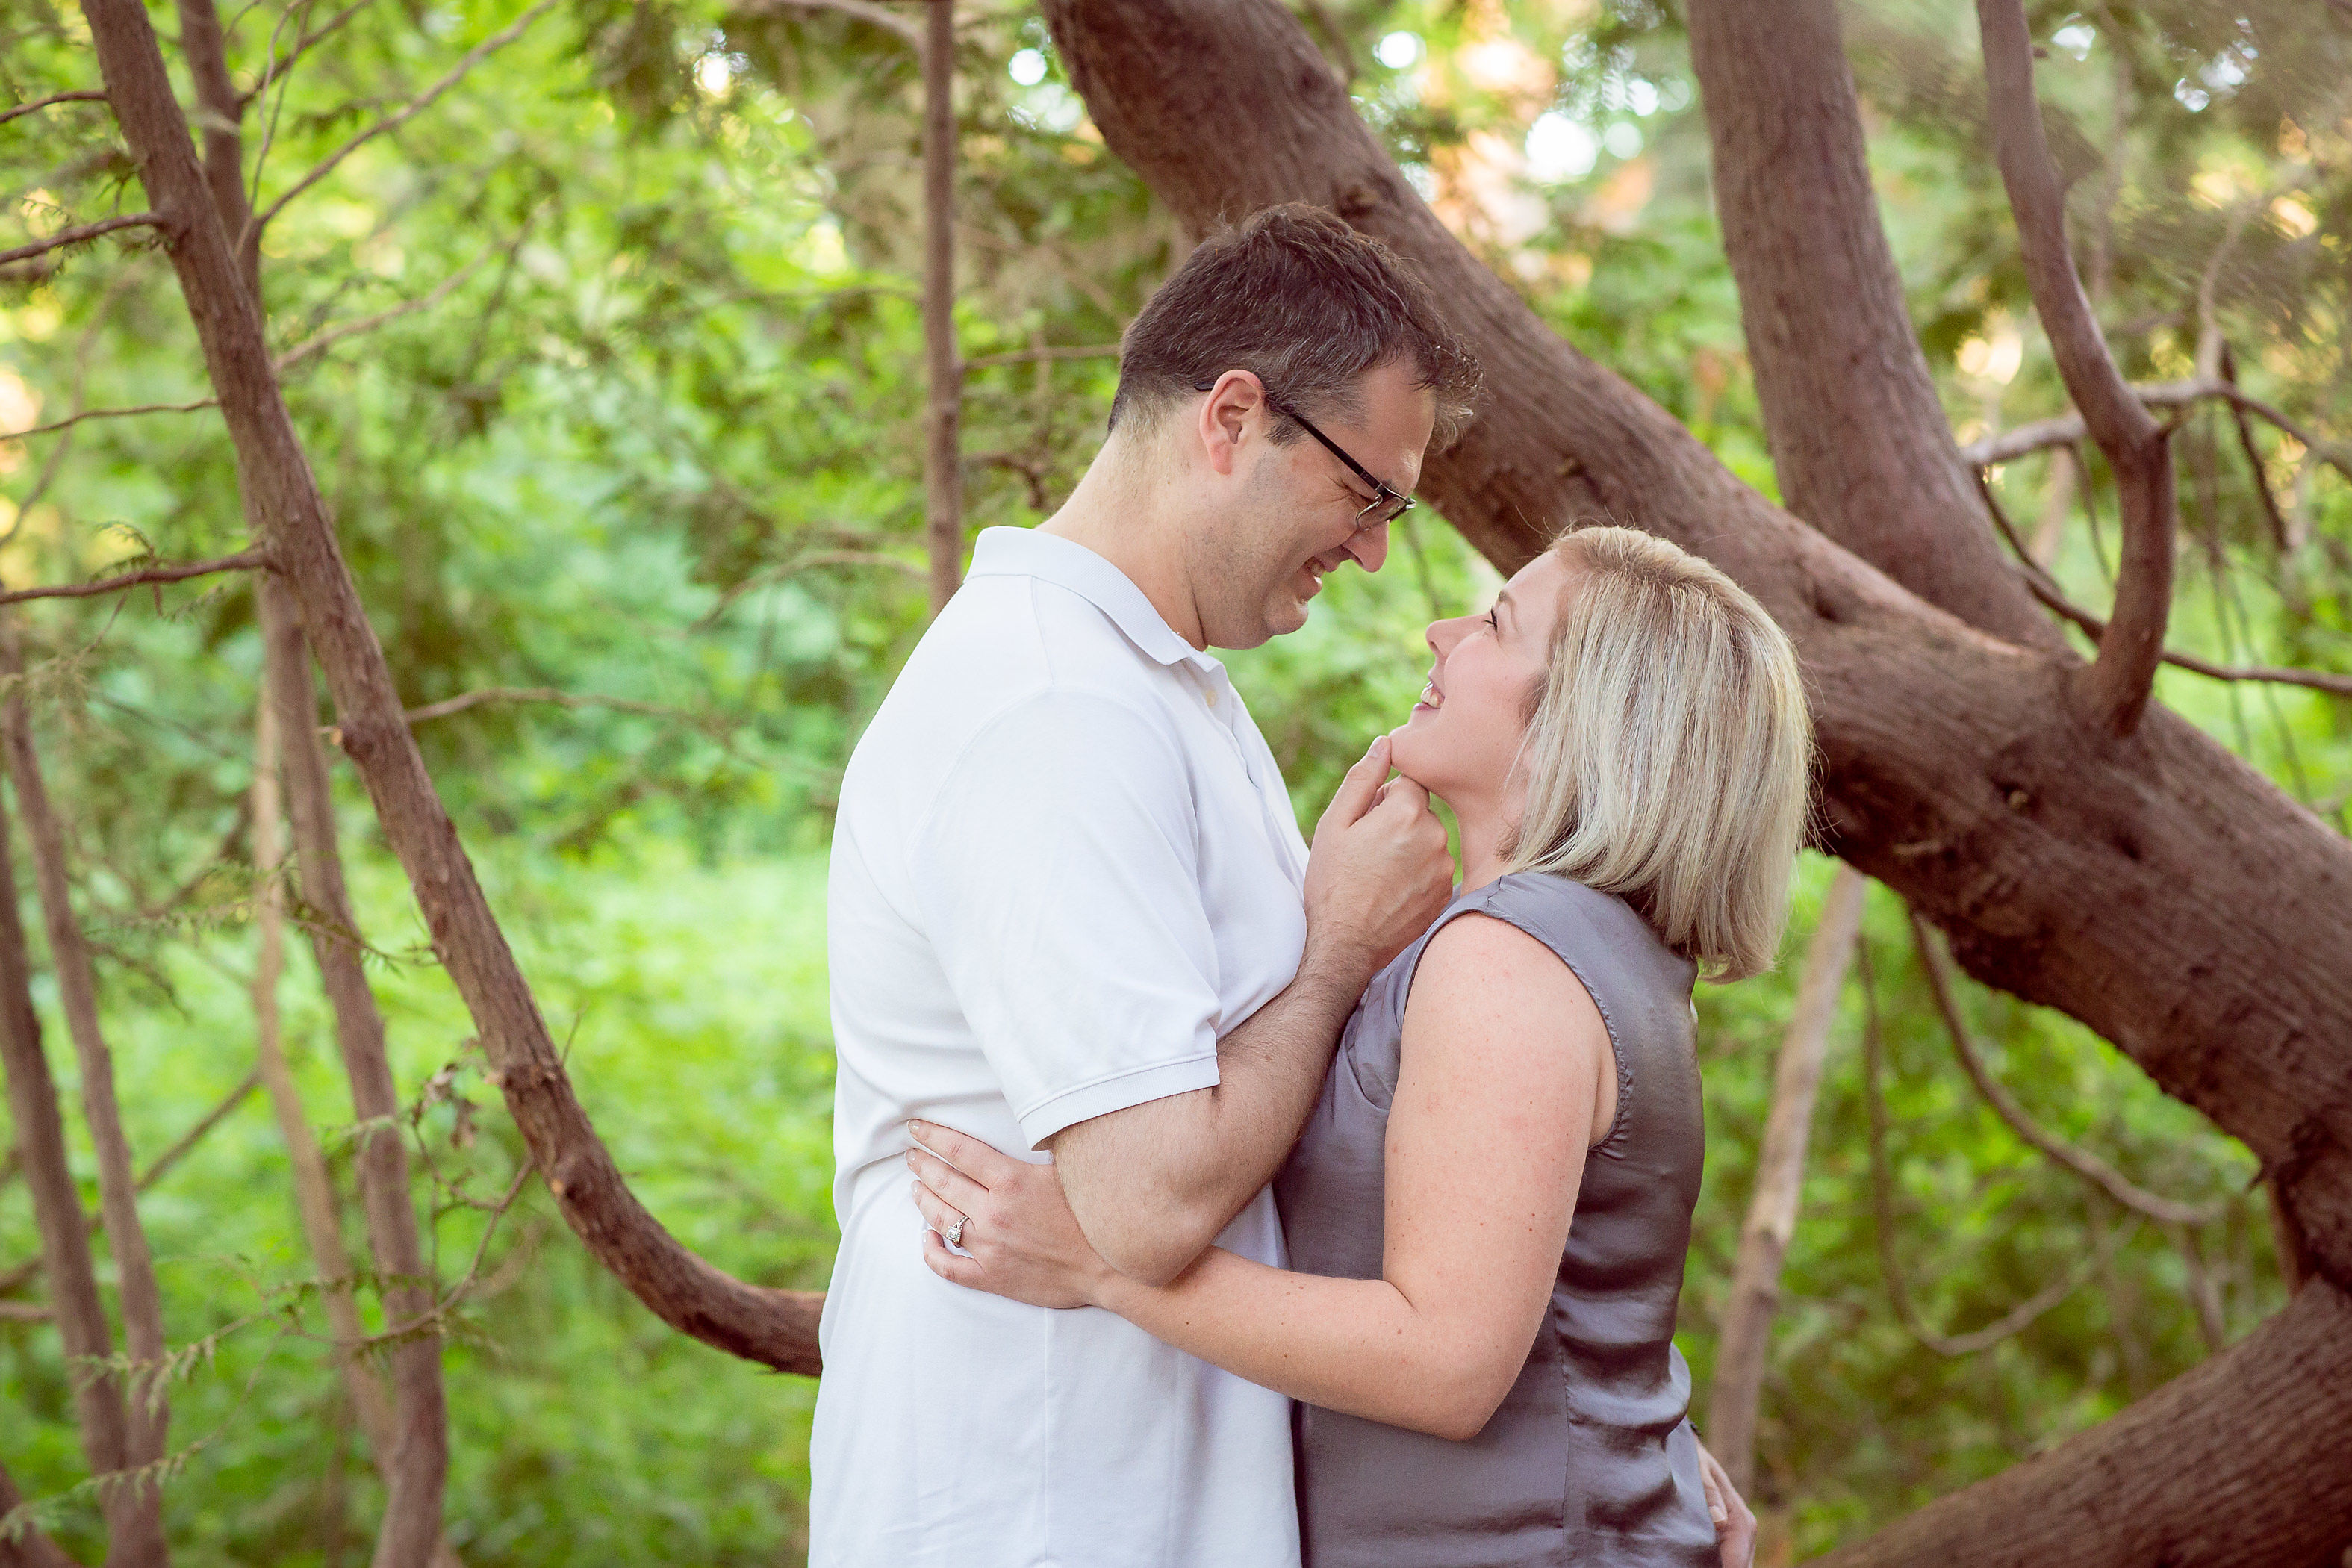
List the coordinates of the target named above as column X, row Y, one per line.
column 1290, row 512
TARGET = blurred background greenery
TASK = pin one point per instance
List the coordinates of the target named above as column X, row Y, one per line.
column 638, row 421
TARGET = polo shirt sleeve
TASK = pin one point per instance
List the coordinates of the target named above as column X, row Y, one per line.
column 1058, row 877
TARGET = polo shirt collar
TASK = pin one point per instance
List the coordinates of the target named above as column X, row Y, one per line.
column 1066, row 564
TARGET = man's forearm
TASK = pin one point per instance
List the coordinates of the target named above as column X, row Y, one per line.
column 1153, row 1184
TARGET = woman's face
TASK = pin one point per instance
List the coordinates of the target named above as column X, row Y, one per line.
column 1464, row 733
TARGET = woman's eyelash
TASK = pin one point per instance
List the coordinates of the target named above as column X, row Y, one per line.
column 1493, row 622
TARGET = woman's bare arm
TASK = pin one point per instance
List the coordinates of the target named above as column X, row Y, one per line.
column 1506, row 1077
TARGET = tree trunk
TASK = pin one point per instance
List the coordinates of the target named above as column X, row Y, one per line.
column 99, row 1411
column 147, row 1413
column 2137, row 884
column 410, row 1444
column 942, row 425
column 2058, row 860
column 314, row 1190
column 1747, row 1330
column 415, row 1457
column 777, row 1328
column 2238, row 1464
column 1823, row 309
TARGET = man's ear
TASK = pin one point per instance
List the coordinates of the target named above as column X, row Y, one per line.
column 1224, row 417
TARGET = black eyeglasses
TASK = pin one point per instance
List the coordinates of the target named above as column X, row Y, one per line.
column 1387, row 505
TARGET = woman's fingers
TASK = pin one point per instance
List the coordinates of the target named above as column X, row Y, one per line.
column 945, row 1178
column 966, row 1154
column 947, row 1265
column 937, row 1212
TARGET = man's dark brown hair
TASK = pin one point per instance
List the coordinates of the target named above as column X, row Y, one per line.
column 1308, row 305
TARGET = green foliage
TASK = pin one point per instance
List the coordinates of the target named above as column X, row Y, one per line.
column 617, row 393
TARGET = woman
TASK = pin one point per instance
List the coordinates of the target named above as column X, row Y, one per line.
column 1488, row 1210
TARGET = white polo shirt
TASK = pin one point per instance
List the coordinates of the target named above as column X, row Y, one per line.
column 1063, row 864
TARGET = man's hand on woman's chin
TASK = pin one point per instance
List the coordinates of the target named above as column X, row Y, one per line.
column 1380, row 873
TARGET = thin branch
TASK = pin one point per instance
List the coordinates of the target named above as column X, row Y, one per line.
column 942, row 370
column 2045, row 588
column 334, row 25
column 1030, row 356
column 163, row 1162
column 334, row 335
column 415, row 107
column 458, row 704
column 2082, row 1161
column 807, row 562
column 244, row 560
column 2120, row 678
column 112, row 414
column 2066, row 430
column 1882, row 1193
column 2282, row 536
column 79, row 233
column 86, row 96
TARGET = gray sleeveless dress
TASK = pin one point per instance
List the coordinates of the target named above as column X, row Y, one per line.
column 1589, row 1460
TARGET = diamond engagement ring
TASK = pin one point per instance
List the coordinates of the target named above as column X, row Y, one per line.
column 953, row 1235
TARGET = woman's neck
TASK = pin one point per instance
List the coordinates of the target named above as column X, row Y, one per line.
column 1482, row 828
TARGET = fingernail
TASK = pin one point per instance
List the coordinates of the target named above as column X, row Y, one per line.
column 1379, row 746
column 917, row 1128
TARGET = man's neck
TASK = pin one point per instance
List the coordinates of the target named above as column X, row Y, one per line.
column 1123, row 512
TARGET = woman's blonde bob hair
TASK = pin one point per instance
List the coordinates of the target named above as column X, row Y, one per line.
column 1668, row 751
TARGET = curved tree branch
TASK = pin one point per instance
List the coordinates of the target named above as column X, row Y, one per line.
column 1881, row 1197
column 2082, row 1161
column 2119, row 680
column 243, row 561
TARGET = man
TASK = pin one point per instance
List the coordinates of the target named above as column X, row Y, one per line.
column 1070, row 912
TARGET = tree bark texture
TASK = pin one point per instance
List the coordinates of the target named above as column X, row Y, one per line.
column 314, row 1189
column 2238, row 1464
column 410, row 1441
column 1746, row 1333
column 1823, row 310
column 774, row 1327
column 943, row 421
column 134, row 1518
column 147, row 1413
column 2057, row 859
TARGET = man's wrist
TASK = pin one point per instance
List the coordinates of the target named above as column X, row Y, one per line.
column 1337, row 964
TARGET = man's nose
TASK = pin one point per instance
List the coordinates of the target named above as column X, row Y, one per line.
column 1369, row 548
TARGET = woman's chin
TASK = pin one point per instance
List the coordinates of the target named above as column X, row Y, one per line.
column 1409, row 750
